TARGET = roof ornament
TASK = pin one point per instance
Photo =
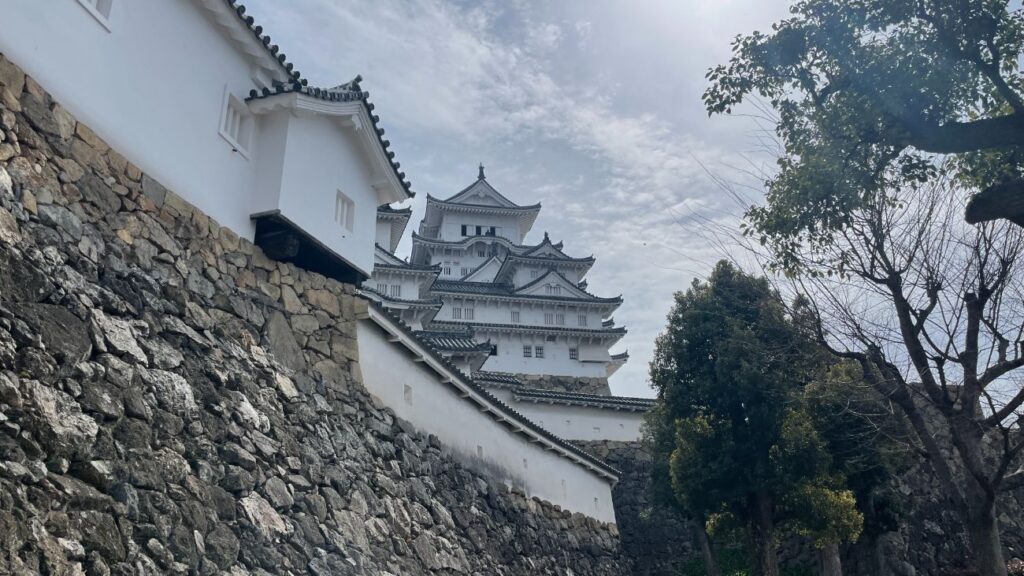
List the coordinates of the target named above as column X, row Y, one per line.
column 481, row 176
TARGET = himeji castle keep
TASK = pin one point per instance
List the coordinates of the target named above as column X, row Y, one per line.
column 492, row 302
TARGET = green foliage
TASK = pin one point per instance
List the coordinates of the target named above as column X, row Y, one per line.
column 732, row 426
column 866, row 92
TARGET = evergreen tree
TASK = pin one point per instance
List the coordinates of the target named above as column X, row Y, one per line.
column 732, row 435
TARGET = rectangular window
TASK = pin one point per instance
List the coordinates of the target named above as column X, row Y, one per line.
column 464, row 270
column 583, row 319
column 481, row 251
column 465, row 231
column 457, row 313
column 515, row 316
column 494, row 349
column 469, row 313
column 100, row 10
column 382, row 288
column 559, row 319
column 533, row 273
column 236, row 124
column 538, row 351
column 527, row 351
column 396, row 290
column 446, row 268
column 549, row 318
column 344, row 211
column 574, row 353
column 479, row 230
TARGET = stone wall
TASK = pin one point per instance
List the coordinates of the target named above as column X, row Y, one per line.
column 658, row 541
column 172, row 401
column 579, row 384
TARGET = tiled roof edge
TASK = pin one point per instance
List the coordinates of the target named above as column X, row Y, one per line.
column 349, row 92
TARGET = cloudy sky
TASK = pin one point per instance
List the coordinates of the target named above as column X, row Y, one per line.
column 591, row 107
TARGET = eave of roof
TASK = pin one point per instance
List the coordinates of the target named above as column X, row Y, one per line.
column 505, row 292
column 466, row 205
column 272, row 50
column 531, row 328
column 476, row 393
column 437, row 304
column 387, row 210
column 513, row 247
column 350, row 92
column 590, row 400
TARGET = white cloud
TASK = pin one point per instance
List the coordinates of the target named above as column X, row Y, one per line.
column 460, row 83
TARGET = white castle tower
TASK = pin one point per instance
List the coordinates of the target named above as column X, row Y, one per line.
column 527, row 303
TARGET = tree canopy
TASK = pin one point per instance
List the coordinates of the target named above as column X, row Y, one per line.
column 870, row 93
column 732, row 433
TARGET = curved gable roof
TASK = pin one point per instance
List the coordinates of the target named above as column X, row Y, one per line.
column 556, row 277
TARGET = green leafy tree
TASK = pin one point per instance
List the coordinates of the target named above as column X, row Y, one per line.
column 871, row 91
column 731, row 433
column 893, row 115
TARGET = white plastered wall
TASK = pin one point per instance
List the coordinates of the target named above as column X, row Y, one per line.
column 152, row 86
column 472, row 435
column 579, row 422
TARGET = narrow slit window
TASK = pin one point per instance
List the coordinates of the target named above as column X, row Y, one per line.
column 344, row 211
column 236, row 124
column 408, row 394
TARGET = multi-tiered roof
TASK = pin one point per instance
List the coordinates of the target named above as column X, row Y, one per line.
column 476, row 239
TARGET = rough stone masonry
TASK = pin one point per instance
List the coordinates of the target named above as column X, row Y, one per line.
column 173, row 402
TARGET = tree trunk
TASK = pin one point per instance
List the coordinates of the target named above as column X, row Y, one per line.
column 983, row 530
column 763, row 535
column 710, row 562
column 831, row 565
